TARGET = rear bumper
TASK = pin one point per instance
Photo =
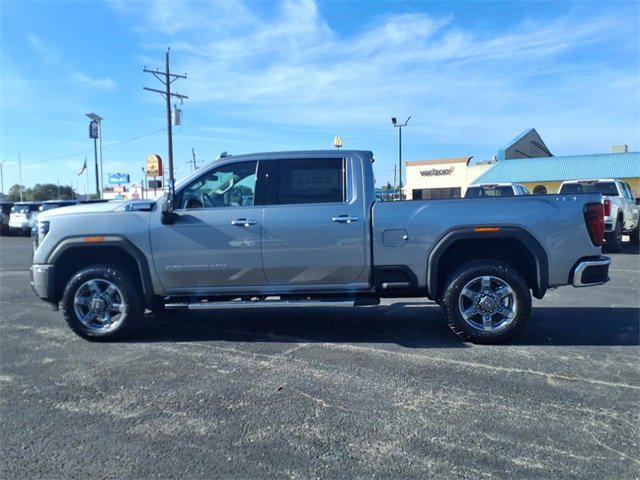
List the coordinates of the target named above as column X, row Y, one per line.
column 42, row 282
column 591, row 271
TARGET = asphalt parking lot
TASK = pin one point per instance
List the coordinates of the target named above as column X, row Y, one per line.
column 375, row 392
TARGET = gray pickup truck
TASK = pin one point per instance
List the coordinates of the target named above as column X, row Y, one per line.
column 303, row 228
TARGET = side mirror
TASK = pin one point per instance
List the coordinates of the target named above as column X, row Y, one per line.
column 168, row 215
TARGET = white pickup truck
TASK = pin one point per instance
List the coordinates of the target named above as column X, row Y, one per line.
column 620, row 208
column 496, row 190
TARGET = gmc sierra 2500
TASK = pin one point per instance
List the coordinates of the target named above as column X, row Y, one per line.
column 303, row 228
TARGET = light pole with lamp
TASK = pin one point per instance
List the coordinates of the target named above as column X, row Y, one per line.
column 98, row 119
column 395, row 123
column 2, row 177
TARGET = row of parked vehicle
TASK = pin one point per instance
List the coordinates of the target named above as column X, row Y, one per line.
column 621, row 208
column 19, row 218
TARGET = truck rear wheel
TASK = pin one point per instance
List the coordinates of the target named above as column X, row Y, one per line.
column 102, row 302
column 486, row 301
column 634, row 236
column 613, row 240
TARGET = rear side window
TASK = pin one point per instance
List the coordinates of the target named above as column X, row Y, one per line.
column 604, row 188
column 489, row 192
column 304, row 181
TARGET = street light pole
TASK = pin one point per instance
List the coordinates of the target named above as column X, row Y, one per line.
column 399, row 126
column 20, row 173
column 99, row 183
column 95, row 156
column 101, row 170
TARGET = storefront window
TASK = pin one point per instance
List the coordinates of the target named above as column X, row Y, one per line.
column 540, row 190
column 436, row 193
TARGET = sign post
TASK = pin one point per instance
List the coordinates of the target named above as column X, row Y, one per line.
column 154, row 169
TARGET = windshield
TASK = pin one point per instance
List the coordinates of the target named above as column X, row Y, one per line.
column 489, row 192
column 604, row 188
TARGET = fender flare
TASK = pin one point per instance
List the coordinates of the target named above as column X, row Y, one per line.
column 506, row 232
column 122, row 243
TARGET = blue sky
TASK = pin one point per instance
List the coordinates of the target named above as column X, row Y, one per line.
column 266, row 76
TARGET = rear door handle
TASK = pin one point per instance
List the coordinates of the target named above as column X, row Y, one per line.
column 344, row 219
column 243, row 222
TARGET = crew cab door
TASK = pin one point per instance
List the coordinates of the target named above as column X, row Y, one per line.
column 313, row 230
column 215, row 240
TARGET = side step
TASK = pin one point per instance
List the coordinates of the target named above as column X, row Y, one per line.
column 259, row 304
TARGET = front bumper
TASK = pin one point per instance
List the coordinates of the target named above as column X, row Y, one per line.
column 43, row 282
column 19, row 226
column 591, row 271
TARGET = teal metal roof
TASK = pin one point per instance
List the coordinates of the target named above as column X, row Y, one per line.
column 573, row 167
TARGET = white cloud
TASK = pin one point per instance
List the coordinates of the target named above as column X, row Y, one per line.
column 290, row 67
column 81, row 79
column 48, row 53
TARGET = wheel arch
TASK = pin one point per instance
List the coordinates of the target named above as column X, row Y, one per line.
column 513, row 245
column 75, row 253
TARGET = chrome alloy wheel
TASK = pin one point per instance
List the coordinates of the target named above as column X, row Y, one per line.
column 488, row 303
column 99, row 305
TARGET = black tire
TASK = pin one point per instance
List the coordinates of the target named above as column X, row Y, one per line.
column 501, row 272
column 613, row 240
column 634, row 236
column 127, row 289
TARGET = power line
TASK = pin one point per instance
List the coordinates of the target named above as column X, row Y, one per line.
column 84, row 152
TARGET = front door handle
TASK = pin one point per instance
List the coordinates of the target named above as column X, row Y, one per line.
column 243, row 222
column 344, row 219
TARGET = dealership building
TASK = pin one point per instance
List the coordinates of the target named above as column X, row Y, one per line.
column 526, row 160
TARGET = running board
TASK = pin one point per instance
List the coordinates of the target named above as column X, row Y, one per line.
column 259, row 304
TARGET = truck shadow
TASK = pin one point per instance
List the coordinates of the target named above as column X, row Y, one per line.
column 411, row 325
column 629, row 249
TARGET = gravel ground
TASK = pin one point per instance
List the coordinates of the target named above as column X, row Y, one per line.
column 372, row 392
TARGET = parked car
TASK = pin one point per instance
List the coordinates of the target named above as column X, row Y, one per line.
column 23, row 217
column 4, row 221
column 620, row 208
column 312, row 234
column 496, row 190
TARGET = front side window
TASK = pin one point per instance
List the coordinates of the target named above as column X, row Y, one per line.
column 304, row 181
column 232, row 185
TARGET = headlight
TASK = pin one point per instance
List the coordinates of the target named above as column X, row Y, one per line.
column 43, row 229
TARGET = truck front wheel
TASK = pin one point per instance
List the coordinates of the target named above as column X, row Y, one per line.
column 102, row 302
column 486, row 301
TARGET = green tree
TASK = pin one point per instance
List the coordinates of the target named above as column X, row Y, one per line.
column 49, row 191
column 14, row 193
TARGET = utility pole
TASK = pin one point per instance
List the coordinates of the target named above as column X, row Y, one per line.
column 399, row 126
column 193, row 156
column 168, row 79
column 20, row 174
column 2, row 177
